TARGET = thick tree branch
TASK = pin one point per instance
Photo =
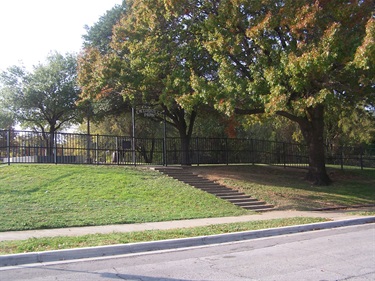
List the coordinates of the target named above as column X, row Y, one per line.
column 253, row 111
column 291, row 117
column 244, row 70
column 191, row 123
column 285, row 114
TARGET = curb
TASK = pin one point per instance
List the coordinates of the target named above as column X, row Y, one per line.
column 122, row 249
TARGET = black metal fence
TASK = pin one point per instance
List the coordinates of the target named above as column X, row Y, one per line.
column 38, row 147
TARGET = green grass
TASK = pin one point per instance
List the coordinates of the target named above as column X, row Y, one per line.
column 57, row 243
column 287, row 189
column 53, row 196
column 363, row 213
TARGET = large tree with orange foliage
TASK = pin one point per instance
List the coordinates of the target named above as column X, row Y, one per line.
column 296, row 59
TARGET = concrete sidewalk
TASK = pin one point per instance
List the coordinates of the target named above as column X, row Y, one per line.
column 77, row 231
column 339, row 219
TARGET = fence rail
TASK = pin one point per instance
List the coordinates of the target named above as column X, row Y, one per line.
column 38, row 147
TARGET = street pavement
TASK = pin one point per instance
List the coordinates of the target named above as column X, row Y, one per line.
column 338, row 218
column 344, row 253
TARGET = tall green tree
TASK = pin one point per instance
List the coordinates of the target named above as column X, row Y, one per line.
column 97, row 39
column 151, row 62
column 45, row 98
column 7, row 120
column 99, row 35
column 289, row 58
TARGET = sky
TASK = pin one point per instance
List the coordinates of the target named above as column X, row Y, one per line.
column 31, row 29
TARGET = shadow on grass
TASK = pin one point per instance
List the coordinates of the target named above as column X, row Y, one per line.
column 287, row 189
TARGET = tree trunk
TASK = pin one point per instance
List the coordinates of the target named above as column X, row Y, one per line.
column 185, row 148
column 312, row 129
column 51, row 144
column 185, row 130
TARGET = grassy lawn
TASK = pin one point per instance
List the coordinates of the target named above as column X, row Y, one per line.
column 57, row 243
column 52, row 196
column 287, row 189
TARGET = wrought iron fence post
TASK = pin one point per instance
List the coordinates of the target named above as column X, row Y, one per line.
column 226, row 151
column 54, row 148
column 361, row 156
column 88, row 153
column 342, row 157
column 8, row 146
column 197, row 145
column 284, row 154
column 252, row 151
column 96, row 149
column 165, row 139
column 248, row 150
column 116, row 152
column 133, row 136
column 165, row 161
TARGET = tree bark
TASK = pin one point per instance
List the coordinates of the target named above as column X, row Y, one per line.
column 312, row 129
column 51, row 145
column 185, row 136
column 185, row 130
column 185, row 145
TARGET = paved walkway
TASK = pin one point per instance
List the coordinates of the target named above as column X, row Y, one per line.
column 77, row 231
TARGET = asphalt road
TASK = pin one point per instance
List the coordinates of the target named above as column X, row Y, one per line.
column 346, row 253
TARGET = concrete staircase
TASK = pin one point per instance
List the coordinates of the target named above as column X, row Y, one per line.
column 233, row 196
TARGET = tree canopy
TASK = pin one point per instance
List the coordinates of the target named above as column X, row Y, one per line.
column 151, row 62
column 295, row 59
column 6, row 116
column 307, row 61
column 45, row 98
column 99, row 35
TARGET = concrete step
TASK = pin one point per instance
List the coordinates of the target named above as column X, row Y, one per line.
column 249, row 199
column 213, row 189
column 208, row 184
column 249, row 203
column 170, row 169
column 205, row 187
column 192, row 180
column 258, row 207
column 235, row 197
column 223, row 193
column 212, row 184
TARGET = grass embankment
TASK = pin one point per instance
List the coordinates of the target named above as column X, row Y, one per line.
column 58, row 243
column 287, row 189
column 48, row 196
column 53, row 196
